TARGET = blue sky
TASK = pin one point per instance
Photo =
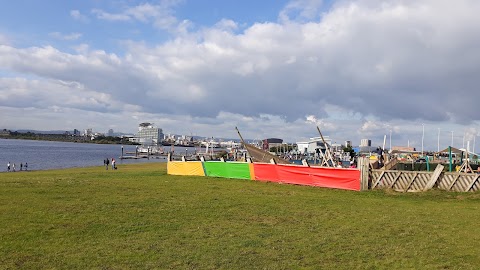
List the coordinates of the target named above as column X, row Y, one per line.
column 46, row 17
column 357, row 68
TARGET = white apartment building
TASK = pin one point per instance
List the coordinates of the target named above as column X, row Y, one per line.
column 149, row 135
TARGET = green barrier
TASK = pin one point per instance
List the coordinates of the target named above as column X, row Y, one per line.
column 239, row 170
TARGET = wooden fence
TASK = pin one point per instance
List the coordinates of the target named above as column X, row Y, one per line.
column 413, row 181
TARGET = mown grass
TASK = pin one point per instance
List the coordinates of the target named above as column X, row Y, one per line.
column 140, row 218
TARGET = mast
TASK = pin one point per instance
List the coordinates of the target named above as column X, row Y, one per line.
column 241, row 138
column 327, row 151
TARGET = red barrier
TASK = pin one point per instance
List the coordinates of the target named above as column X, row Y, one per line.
column 310, row 176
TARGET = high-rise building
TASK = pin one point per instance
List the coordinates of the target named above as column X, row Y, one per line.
column 88, row 132
column 149, row 135
column 365, row 142
column 110, row 133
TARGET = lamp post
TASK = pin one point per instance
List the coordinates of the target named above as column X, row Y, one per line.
column 452, row 139
column 474, row 136
column 390, row 140
column 438, row 141
column 122, row 151
column 423, row 135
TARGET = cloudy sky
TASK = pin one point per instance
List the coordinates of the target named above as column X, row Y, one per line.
column 274, row 68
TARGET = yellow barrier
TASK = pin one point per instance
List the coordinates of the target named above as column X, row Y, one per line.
column 185, row 168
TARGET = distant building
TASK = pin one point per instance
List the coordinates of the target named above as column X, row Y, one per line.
column 403, row 149
column 76, row 132
column 88, row 132
column 313, row 144
column 348, row 143
column 149, row 135
column 271, row 142
column 4, row 133
column 110, row 133
column 365, row 142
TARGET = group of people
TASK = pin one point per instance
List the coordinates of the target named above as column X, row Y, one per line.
column 106, row 162
column 11, row 167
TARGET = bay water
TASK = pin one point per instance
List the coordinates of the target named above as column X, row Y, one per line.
column 44, row 155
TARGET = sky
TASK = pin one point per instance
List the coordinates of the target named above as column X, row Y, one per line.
column 404, row 70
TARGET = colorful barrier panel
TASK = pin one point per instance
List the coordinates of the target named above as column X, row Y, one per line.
column 348, row 179
column 185, row 168
column 238, row 170
column 311, row 176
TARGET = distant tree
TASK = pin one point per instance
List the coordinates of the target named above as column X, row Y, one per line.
column 350, row 150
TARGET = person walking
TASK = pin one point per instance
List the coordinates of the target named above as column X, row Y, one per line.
column 113, row 164
column 8, row 166
column 26, row 166
column 13, row 167
column 107, row 162
column 21, row 166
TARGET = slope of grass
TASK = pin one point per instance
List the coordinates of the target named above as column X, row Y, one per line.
column 140, row 218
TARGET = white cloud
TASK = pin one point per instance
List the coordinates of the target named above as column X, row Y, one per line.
column 77, row 15
column 71, row 36
column 4, row 40
column 102, row 15
column 226, row 25
column 301, row 10
column 363, row 67
column 159, row 15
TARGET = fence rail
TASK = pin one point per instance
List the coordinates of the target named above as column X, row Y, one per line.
column 408, row 181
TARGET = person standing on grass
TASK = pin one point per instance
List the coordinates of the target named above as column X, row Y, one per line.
column 113, row 164
column 8, row 166
column 26, row 166
column 13, row 167
column 21, row 166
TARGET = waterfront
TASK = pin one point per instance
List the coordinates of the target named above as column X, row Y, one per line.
column 44, row 155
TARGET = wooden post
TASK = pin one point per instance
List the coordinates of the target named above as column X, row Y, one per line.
column 434, row 178
column 305, row 163
column 363, row 164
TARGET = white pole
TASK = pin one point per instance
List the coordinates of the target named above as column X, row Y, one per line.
column 438, row 141
column 474, row 143
column 390, row 139
column 423, row 135
column 384, row 141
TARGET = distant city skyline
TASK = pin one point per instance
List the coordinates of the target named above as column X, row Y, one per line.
column 442, row 141
column 359, row 69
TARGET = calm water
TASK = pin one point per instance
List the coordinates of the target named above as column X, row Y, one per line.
column 43, row 155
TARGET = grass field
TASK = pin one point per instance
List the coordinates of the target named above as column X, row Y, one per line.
column 140, row 218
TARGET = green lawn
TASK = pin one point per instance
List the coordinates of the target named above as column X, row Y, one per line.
column 140, row 218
